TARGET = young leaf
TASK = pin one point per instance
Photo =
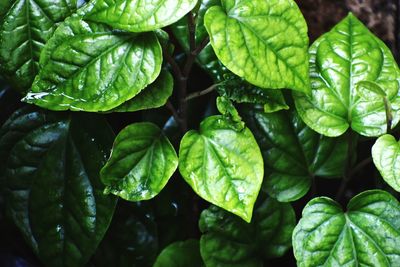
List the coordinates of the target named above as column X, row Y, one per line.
column 180, row 254
column 386, row 156
column 368, row 89
column 139, row 16
column 228, row 110
column 293, row 153
column 153, row 96
column 222, row 165
column 88, row 66
column 53, row 189
column 25, row 27
column 265, row 42
column 141, row 163
column 340, row 59
column 229, row 241
column 366, row 235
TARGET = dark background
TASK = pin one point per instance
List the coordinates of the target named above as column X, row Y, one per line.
column 381, row 16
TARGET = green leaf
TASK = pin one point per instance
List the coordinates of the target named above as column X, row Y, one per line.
column 53, row 189
column 228, row 110
column 386, row 157
column 180, row 254
column 293, row 153
column 229, row 241
column 340, row 59
column 153, row 96
column 25, row 27
column 131, row 240
column 367, row 90
column 89, row 66
column 137, row 16
column 141, row 163
column 366, row 235
column 265, row 42
column 240, row 91
column 222, row 165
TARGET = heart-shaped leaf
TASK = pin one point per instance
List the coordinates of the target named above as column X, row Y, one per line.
column 153, row 96
column 223, row 165
column 340, row 59
column 53, row 190
column 293, row 153
column 386, row 156
column 367, row 234
column 265, row 42
column 142, row 16
column 141, row 163
column 180, row 254
column 229, row 241
column 89, row 66
column 25, row 27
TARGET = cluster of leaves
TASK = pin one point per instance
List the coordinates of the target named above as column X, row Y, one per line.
column 62, row 170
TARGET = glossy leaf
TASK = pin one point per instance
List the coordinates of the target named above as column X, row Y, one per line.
column 153, row 96
column 386, row 156
column 131, row 240
column 89, row 66
column 139, row 16
column 367, row 234
column 222, row 165
column 141, row 163
column 229, row 241
column 226, row 108
column 293, row 153
column 25, row 27
column 180, row 254
column 340, row 59
column 265, row 42
column 367, row 90
column 53, row 189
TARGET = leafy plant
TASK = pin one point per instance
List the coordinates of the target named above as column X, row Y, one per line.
column 278, row 118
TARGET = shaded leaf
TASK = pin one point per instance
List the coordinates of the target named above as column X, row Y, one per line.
column 53, row 190
column 180, row 254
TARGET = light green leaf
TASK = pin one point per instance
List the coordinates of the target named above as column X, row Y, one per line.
column 222, row 165
column 25, row 27
column 226, row 107
column 368, row 234
column 139, row 16
column 153, row 96
column 53, row 190
column 229, row 241
column 88, row 66
column 386, row 156
column 265, row 42
column 340, row 59
column 293, row 153
column 368, row 89
column 180, row 254
column 141, row 163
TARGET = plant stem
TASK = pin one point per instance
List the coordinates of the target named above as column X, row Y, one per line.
column 173, row 112
column 203, row 92
column 360, row 166
column 389, row 116
column 347, row 170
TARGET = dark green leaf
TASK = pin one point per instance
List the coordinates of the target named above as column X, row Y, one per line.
column 88, row 66
column 141, row 163
column 153, row 96
column 293, row 153
column 25, row 27
column 180, row 254
column 386, row 156
column 265, row 42
column 142, row 16
column 229, row 241
column 368, row 234
column 340, row 59
column 54, row 194
column 222, row 165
